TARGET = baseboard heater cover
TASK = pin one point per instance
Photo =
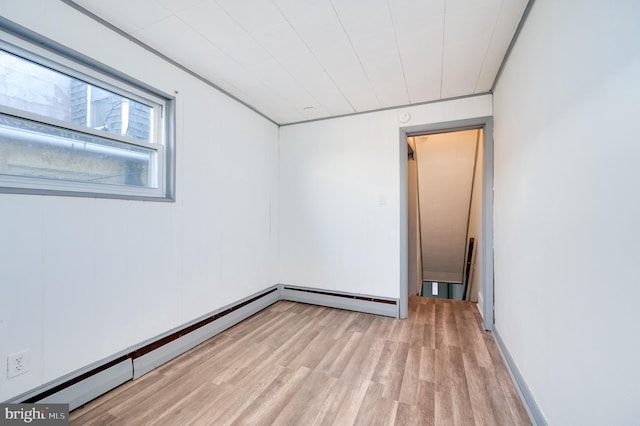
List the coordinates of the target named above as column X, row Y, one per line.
column 79, row 388
column 93, row 386
column 149, row 360
column 86, row 384
column 352, row 302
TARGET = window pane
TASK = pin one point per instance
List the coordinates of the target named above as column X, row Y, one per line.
column 36, row 89
column 37, row 150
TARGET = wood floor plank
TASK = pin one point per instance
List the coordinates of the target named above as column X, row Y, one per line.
column 499, row 405
column 149, row 408
column 239, row 398
column 329, row 410
column 426, row 403
column 411, row 377
column 295, row 364
column 275, row 397
column 122, row 403
column 480, row 402
column 350, row 404
column 311, row 355
column 342, row 360
column 401, row 331
column 365, row 358
column 305, row 405
column 392, row 373
column 407, row 414
column 375, row 409
column 444, row 407
column 463, row 410
column 189, row 406
column 428, row 364
column 471, row 332
column 286, row 353
column 360, row 324
column 341, row 324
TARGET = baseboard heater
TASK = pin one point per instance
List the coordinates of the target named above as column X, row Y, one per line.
column 352, row 302
column 84, row 385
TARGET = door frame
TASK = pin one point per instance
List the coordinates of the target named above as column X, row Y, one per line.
column 485, row 123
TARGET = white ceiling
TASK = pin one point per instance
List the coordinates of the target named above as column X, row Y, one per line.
column 297, row 60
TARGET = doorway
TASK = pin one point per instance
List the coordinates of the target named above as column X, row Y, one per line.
column 444, row 175
column 483, row 276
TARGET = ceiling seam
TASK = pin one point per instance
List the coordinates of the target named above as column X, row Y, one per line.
column 355, row 52
column 486, row 52
column 395, row 38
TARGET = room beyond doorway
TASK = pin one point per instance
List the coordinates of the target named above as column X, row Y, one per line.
column 444, row 177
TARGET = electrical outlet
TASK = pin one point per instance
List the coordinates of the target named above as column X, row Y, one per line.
column 17, row 364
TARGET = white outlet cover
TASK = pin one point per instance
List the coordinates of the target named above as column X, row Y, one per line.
column 17, row 364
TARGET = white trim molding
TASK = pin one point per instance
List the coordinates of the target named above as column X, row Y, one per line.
column 529, row 402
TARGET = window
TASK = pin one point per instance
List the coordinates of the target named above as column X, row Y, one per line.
column 67, row 127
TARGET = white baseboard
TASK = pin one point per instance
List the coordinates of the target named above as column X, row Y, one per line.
column 535, row 414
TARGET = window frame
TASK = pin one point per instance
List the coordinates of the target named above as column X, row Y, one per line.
column 63, row 60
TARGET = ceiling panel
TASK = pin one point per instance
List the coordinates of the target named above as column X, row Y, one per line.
column 274, row 76
column 295, row 60
column 127, row 15
column 460, row 69
column 219, row 28
column 341, row 62
column 177, row 5
column 319, row 30
column 280, row 40
column 292, row 9
column 360, row 19
column 380, row 58
column 506, row 24
column 263, row 99
column 179, row 41
column 411, row 14
column 254, row 14
column 421, row 55
column 308, row 72
column 475, row 24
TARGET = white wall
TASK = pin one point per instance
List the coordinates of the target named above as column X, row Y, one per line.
column 339, row 189
column 474, row 292
column 84, row 278
column 414, row 252
column 566, row 210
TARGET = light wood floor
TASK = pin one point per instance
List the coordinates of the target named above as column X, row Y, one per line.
column 297, row 364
